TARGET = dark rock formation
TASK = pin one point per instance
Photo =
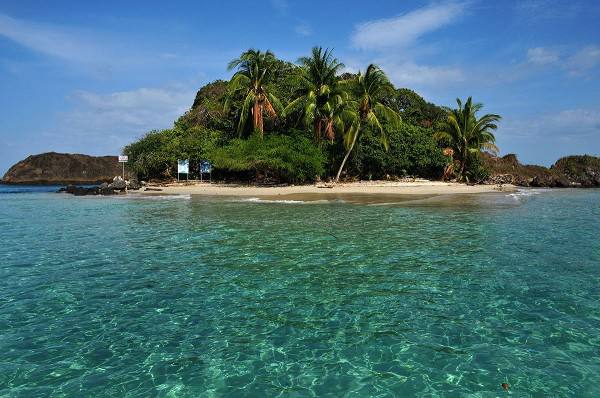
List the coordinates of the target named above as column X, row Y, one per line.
column 570, row 171
column 83, row 191
column 63, row 168
column 118, row 186
column 581, row 171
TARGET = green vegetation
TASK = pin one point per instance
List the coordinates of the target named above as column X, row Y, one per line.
column 276, row 121
column 274, row 158
column 254, row 72
column 369, row 89
column 467, row 135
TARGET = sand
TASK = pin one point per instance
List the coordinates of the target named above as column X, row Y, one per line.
column 386, row 189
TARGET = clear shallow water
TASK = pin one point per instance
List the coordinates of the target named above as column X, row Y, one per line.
column 179, row 297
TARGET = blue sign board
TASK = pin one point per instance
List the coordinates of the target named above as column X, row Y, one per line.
column 205, row 167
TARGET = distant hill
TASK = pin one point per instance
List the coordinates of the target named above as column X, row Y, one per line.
column 63, row 168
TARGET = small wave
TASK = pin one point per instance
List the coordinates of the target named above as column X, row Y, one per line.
column 285, row 201
column 523, row 193
column 259, row 200
column 157, row 197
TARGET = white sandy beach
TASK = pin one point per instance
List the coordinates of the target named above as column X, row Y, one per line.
column 417, row 187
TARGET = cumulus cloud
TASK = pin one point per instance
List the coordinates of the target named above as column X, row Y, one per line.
column 542, row 56
column 128, row 112
column 104, row 123
column 406, row 29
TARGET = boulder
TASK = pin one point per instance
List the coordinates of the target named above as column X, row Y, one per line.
column 134, row 185
column 118, row 184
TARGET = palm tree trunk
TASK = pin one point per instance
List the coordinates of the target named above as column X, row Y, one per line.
column 257, row 117
column 317, row 130
column 337, row 177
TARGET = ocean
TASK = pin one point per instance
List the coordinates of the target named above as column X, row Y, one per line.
column 185, row 297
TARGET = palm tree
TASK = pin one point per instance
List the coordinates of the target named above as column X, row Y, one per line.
column 369, row 89
column 466, row 134
column 320, row 101
column 255, row 70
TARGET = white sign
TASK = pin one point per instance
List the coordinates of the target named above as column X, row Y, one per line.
column 183, row 166
column 123, row 159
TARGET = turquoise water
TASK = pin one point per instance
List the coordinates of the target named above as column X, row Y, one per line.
column 180, row 297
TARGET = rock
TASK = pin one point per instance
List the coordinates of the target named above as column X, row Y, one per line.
column 134, row 185
column 561, row 181
column 63, row 168
column 570, row 171
column 500, row 179
column 583, row 170
column 118, row 184
column 104, row 185
column 81, row 191
column 106, row 190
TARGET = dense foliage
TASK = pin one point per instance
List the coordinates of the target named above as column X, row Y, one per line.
column 155, row 155
column 467, row 135
column 274, row 158
column 279, row 121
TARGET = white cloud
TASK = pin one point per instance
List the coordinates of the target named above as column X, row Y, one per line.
column 48, row 39
column 565, row 125
column 584, row 60
column 542, row 56
column 404, row 30
column 115, row 119
column 545, row 138
column 282, row 6
column 303, row 29
column 409, row 74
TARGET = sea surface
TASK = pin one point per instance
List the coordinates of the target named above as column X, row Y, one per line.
column 186, row 297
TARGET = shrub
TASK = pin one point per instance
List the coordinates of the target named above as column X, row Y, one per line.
column 155, row 155
column 412, row 151
column 476, row 170
column 281, row 157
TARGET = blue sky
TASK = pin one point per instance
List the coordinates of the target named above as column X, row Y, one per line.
column 89, row 77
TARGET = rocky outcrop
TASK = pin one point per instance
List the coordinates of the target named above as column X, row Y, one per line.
column 581, row 171
column 63, row 168
column 118, row 186
column 567, row 172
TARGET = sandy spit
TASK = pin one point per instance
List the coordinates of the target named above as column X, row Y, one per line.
column 416, row 187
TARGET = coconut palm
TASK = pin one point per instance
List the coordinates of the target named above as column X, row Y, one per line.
column 320, row 101
column 466, row 133
column 368, row 89
column 255, row 70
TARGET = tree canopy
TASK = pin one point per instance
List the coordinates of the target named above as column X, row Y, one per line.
column 280, row 121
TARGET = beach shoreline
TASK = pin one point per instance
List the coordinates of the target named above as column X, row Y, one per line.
column 324, row 191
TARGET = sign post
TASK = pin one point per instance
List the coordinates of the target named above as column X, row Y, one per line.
column 183, row 167
column 123, row 159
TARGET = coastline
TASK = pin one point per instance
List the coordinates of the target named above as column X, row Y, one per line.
column 323, row 191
